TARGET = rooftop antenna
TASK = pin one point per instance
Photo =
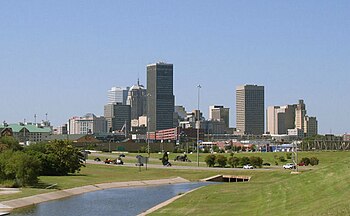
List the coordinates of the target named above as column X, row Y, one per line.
column 138, row 78
column 35, row 118
column 46, row 116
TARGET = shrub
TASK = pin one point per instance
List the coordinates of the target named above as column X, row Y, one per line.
column 216, row 148
column 305, row 160
column 221, row 160
column 289, row 155
column 256, row 161
column 210, row 160
column 314, row 161
column 233, row 161
column 282, row 159
column 243, row 161
column 206, row 150
column 19, row 168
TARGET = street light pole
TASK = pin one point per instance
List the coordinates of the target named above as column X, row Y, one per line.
column 198, row 124
column 148, row 117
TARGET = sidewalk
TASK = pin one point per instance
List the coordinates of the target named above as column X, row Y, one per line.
column 32, row 200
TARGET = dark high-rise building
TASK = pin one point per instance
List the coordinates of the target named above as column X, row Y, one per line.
column 160, row 97
column 250, row 109
column 117, row 116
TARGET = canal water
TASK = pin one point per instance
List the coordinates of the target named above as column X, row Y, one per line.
column 118, row 201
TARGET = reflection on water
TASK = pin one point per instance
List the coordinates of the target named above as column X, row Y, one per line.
column 119, row 201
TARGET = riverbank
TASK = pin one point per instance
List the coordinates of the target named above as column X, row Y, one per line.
column 9, row 205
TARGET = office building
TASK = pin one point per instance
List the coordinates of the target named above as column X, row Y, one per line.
column 118, row 95
column 160, row 97
column 137, row 99
column 310, row 126
column 219, row 113
column 118, row 117
column 250, row 109
column 88, row 124
column 280, row 118
column 300, row 113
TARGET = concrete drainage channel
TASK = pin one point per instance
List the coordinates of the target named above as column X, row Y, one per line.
column 227, row 178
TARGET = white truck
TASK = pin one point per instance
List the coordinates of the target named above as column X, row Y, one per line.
column 289, row 166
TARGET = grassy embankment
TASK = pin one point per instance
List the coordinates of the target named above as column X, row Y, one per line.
column 324, row 190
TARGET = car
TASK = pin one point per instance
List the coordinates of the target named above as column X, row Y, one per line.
column 248, row 166
column 301, row 164
column 289, row 166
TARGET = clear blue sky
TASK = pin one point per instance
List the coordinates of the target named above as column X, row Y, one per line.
column 61, row 57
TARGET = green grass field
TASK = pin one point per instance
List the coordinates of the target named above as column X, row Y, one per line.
column 324, row 190
column 319, row 190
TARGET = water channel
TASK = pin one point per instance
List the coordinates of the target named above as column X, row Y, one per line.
column 119, row 201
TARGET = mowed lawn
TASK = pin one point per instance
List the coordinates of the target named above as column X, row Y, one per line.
column 319, row 190
column 93, row 174
column 323, row 190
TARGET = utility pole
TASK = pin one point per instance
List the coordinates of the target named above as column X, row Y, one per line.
column 198, row 124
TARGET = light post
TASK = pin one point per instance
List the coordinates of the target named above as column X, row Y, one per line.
column 198, row 124
column 148, row 114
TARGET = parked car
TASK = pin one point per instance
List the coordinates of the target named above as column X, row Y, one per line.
column 301, row 164
column 289, row 166
column 248, row 166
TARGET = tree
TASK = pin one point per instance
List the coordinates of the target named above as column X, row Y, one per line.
column 221, row 160
column 233, row 161
column 9, row 142
column 256, row 161
column 20, row 167
column 25, row 168
column 210, row 160
column 216, row 148
column 57, row 157
column 305, row 160
column 314, row 161
column 243, row 161
column 282, row 159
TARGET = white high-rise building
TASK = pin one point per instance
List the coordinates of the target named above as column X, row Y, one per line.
column 118, row 95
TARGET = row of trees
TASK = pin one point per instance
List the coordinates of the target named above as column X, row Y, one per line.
column 21, row 166
column 211, row 160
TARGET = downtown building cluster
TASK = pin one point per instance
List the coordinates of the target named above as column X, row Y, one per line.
column 142, row 113
column 135, row 111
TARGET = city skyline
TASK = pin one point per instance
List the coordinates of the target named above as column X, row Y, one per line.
column 61, row 57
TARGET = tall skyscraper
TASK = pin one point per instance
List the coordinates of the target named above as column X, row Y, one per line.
column 219, row 113
column 118, row 95
column 117, row 116
column 160, row 97
column 300, row 113
column 137, row 99
column 250, row 109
